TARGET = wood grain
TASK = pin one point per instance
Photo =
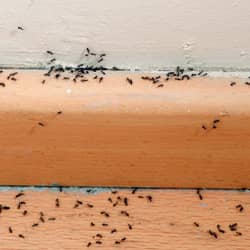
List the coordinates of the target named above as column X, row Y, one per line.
column 115, row 134
column 166, row 223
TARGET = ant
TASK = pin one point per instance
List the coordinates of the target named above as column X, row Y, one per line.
column 130, row 81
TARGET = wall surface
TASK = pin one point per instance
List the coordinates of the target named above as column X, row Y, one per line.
column 139, row 34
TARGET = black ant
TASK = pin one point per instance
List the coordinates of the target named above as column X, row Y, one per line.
column 134, row 190
column 19, row 195
column 199, row 194
column 233, row 227
column 213, row 234
column 126, row 201
column 150, row 198
column 105, row 214
column 41, row 124
column 125, row 213
column 90, row 205
column 196, row 224
column 57, row 202
column 220, row 229
column 52, row 218
column 160, row 86
column 130, row 81
column 240, row 207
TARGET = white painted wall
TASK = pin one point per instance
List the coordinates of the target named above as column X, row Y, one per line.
column 145, row 34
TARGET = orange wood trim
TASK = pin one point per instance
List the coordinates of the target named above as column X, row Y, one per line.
column 166, row 223
column 114, row 134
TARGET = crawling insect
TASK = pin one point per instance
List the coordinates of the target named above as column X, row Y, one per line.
column 105, row 214
column 233, row 227
column 204, row 127
column 10, row 230
column 126, row 201
column 134, row 190
column 100, row 60
column 232, row 83
column 125, row 213
column 113, row 231
column 89, row 244
column 5, row 207
column 220, row 229
column 212, row 233
column 41, row 124
column 196, row 224
column 50, row 52
column 216, row 121
column 2, row 84
column 57, row 202
column 42, row 219
column 240, row 207
column 57, row 76
column 130, row 81
column 20, row 236
column 51, row 61
column 35, row 225
column 130, row 227
column 115, row 204
column 19, row 194
column 20, row 28
column 25, row 212
column 20, row 204
column 160, row 86
column 185, row 77
column 149, row 198
column 52, row 218
column 198, row 191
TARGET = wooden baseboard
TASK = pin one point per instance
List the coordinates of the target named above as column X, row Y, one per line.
column 165, row 223
column 115, row 134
